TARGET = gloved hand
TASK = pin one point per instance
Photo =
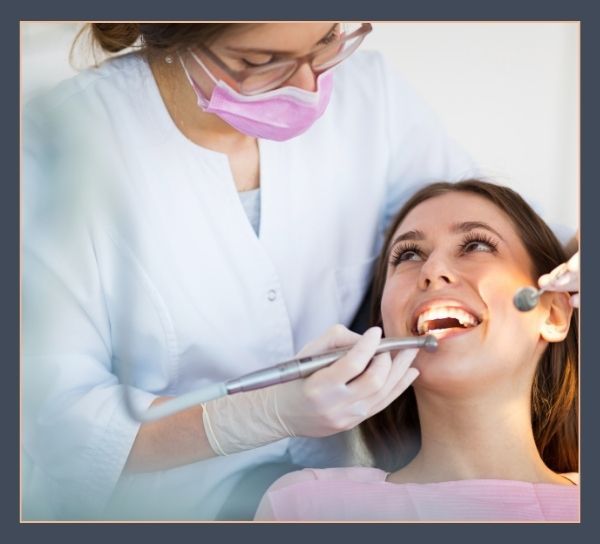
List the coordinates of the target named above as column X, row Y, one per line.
column 333, row 399
column 566, row 282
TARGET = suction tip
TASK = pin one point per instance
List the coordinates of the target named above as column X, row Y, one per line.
column 526, row 299
column 431, row 343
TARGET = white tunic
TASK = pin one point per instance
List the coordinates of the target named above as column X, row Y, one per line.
column 137, row 249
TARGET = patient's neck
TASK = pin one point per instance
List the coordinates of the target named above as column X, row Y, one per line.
column 475, row 438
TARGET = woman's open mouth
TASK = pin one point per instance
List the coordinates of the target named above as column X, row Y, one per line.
column 443, row 321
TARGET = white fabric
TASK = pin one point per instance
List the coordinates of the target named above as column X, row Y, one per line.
column 137, row 248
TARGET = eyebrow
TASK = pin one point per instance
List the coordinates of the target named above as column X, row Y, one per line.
column 273, row 51
column 465, row 226
column 409, row 235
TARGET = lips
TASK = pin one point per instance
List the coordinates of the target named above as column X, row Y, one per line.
column 443, row 315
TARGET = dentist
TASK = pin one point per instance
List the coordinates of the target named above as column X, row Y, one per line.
column 196, row 209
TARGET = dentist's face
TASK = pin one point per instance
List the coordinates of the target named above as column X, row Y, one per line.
column 257, row 45
column 455, row 263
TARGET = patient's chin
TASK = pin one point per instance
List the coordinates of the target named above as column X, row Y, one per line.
column 452, row 373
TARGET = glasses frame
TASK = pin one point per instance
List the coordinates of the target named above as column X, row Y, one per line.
column 239, row 76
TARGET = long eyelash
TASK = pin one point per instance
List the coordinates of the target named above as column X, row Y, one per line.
column 331, row 37
column 402, row 248
column 253, row 65
column 478, row 237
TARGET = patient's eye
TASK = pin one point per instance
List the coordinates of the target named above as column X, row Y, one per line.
column 405, row 252
column 478, row 242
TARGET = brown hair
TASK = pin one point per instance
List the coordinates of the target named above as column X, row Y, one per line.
column 149, row 38
column 393, row 435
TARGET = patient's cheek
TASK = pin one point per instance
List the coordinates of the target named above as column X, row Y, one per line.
column 393, row 318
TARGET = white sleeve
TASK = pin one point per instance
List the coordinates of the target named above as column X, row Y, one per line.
column 76, row 429
column 421, row 151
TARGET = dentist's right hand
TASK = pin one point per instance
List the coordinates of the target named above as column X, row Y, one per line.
column 333, row 399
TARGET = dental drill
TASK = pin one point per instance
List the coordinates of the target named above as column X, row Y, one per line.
column 286, row 371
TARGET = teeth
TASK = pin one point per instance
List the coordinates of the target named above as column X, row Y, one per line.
column 465, row 318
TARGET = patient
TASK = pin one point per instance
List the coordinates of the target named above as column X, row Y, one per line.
column 489, row 429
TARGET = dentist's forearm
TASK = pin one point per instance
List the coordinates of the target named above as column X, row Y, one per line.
column 169, row 442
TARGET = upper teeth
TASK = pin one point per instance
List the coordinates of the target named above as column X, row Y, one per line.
column 465, row 318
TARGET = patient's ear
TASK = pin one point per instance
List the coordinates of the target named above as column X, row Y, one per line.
column 558, row 311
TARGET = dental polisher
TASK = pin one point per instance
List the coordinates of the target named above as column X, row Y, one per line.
column 527, row 298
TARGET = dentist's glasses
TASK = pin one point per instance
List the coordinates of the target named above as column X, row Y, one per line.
column 259, row 79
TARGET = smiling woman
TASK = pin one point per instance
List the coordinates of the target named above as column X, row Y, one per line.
column 488, row 430
column 505, row 245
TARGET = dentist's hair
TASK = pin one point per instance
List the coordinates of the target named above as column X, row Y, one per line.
column 150, row 38
column 393, row 435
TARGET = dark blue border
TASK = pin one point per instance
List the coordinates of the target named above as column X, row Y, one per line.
column 276, row 10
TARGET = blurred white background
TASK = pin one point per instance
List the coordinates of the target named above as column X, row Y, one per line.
column 507, row 91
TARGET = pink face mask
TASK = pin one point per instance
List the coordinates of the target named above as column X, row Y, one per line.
column 278, row 115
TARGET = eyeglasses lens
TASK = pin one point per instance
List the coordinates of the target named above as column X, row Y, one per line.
column 271, row 77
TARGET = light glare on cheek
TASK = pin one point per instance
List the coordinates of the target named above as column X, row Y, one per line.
column 393, row 309
column 385, row 303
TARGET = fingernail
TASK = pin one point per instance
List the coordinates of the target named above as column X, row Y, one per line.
column 375, row 331
column 566, row 278
column 549, row 281
column 575, row 300
column 414, row 374
column 573, row 262
column 405, row 356
column 411, row 353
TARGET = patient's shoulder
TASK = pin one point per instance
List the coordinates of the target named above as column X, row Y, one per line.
column 354, row 474
column 573, row 476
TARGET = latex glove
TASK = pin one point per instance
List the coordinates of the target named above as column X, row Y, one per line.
column 333, row 399
column 567, row 282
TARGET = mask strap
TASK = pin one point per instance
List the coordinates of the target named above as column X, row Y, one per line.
column 193, row 83
column 203, row 66
column 185, row 70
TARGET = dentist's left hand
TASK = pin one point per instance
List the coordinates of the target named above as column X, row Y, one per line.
column 334, row 399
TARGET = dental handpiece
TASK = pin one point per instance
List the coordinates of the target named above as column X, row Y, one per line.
column 283, row 372
column 527, row 298
column 305, row 366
